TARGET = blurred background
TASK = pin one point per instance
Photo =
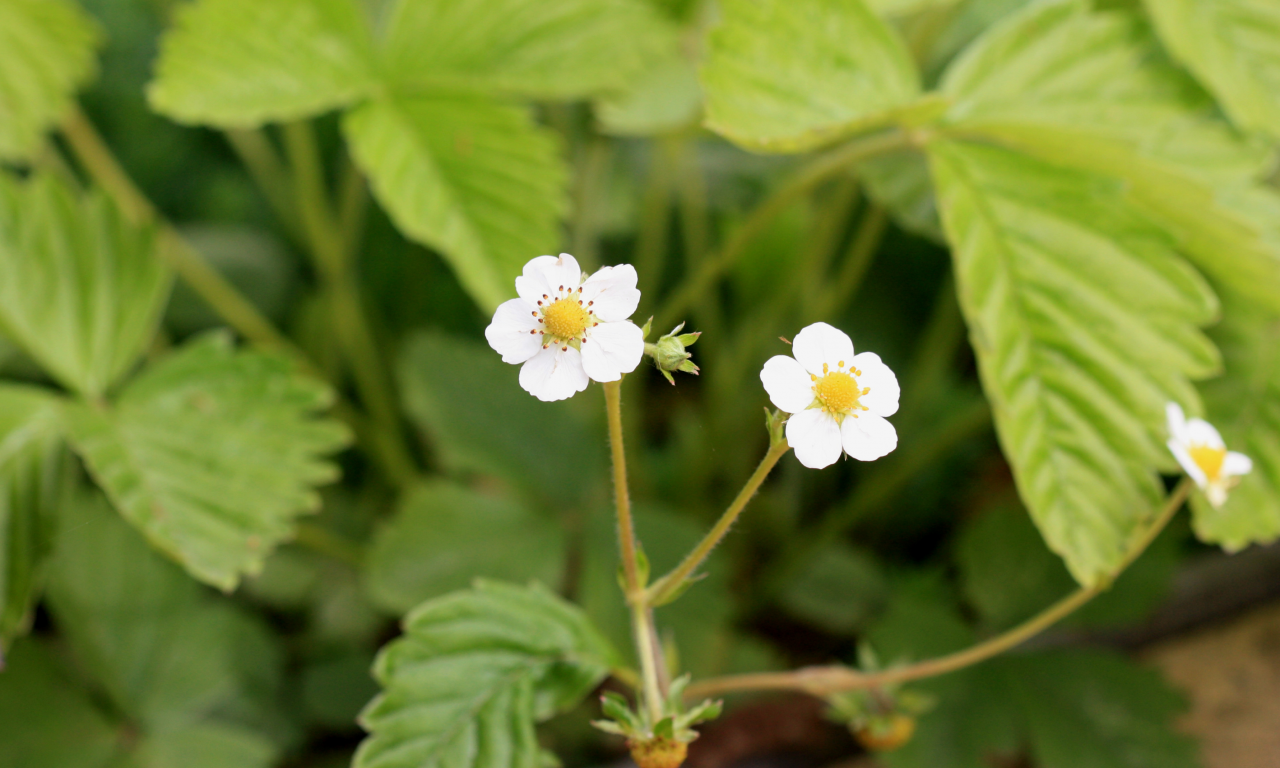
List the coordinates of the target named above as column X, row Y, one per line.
column 917, row 554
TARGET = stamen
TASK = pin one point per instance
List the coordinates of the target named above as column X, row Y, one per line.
column 824, row 368
column 841, row 364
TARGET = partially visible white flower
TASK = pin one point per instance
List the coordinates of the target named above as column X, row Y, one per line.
column 839, row 399
column 567, row 328
column 1200, row 450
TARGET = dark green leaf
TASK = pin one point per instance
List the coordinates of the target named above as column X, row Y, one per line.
column 472, row 178
column 468, row 402
column 444, row 535
column 837, row 589
column 787, row 75
column 242, row 63
column 473, row 672
column 212, row 453
column 47, row 51
column 81, row 289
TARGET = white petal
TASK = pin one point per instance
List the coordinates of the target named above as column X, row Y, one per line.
column 815, row 437
column 821, row 343
column 564, row 272
column 554, row 374
column 876, row 376
column 868, row 437
column 509, row 333
column 612, row 292
column 612, row 349
column 532, row 285
column 1177, row 422
column 787, row 383
column 1188, row 464
column 1236, row 464
column 1201, row 432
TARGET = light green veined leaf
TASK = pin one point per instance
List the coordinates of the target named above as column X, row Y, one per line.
column 47, row 51
column 893, row 8
column 469, row 404
column 1233, row 47
column 1089, row 90
column 474, row 179
column 790, row 75
column 664, row 97
column 444, row 535
column 546, row 50
column 242, row 63
column 1244, row 404
column 212, row 453
column 81, row 289
column 1083, row 319
column 31, row 484
column 472, row 674
column 135, row 622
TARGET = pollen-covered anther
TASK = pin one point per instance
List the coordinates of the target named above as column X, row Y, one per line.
column 839, row 392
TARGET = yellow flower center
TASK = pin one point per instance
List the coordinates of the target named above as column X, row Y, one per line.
column 839, row 392
column 565, row 319
column 1209, row 459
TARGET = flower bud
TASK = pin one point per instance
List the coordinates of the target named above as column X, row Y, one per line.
column 670, row 354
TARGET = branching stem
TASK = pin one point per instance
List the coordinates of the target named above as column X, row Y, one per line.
column 822, row 681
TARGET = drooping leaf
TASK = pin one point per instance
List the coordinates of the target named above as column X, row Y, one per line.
column 46, row 720
column 900, row 182
column 1233, row 47
column 212, row 454
column 444, row 535
column 31, row 482
column 789, row 75
column 135, row 622
column 1245, row 405
column 1089, row 90
column 206, row 745
column 664, row 97
column 565, row 49
column 81, row 289
column 472, row 178
column 838, row 589
column 1083, row 319
column 47, row 51
column 472, row 674
column 467, row 402
column 242, row 63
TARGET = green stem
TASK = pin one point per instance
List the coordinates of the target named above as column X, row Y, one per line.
column 329, row 544
column 640, row 616
column 862, row 250
column 666, row 588
column 797, row 186
column 823, row 681
column 655, row 219
column 265, row 167
column 332, row 256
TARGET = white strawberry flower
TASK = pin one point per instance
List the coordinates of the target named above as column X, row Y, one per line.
column 838, row 400
column 1200, row 450
column 566, row 328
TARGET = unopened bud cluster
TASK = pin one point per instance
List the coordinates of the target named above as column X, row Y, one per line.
column 670, row 353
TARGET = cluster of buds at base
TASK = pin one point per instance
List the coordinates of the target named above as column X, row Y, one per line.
column 661, row 744
column 669, row 353
column 881, row 719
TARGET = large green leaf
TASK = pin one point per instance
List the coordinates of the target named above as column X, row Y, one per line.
column 472, row 674
column 469, row 404
column 1233, row 47
column 562, row 49
column 838, row 589
column 1090, row 90
column 475, row 179
column 242, row 63
column 81, row 289
column 135, row 623
column 444, row 535
column 1245, row 405
column 31, row 481
column 212, row 453
column 788, row 75
column 47, row 51
column 1083, row 319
